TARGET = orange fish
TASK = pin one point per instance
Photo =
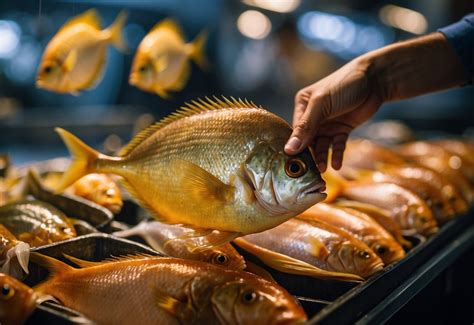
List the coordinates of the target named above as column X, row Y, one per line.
column 17, row 301
column 160, row 290
column 359, row 225
column 313, row 248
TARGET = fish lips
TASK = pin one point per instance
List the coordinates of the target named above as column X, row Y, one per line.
column 315, row 190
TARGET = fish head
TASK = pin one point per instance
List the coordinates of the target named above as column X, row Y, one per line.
column 100, row 189
column 50, row 75
column 419, row 218
column 284, row 184
column 255, row 301
column 356, row 258
column 225, row 256
column 388, row 250
column 143, row 73
column 17, row 300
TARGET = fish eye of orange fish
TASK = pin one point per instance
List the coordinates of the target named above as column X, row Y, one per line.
column 7, row 292
column 220, row 258
column 248, row 296
column 295, row 167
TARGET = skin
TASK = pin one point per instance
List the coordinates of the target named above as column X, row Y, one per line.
column 17, row 301
column 133, row 292
column 327, row 111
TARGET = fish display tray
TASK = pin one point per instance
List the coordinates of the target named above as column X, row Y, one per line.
column 325, row 301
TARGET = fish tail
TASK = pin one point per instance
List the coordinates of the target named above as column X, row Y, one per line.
column 115, row 32
column 54, row 266
column 197, row 50
column 83, row 158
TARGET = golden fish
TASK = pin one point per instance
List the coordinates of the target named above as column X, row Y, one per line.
column 379, row 215
column 161, row 63
column 160, row 290
column 213, row 165
column 459, row 147
column 160, row 237
column 450, row 165
column 10, row 247
column 17, row 301
column 313, row 248
column 361, row 226
column 35, row 222
column 407, row 209
column 442, row 209
column 99, row 188
column 74, row 59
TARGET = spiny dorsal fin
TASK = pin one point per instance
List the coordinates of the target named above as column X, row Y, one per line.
column 170, row 24
column 90, row 17
column 112, row 259
column 197, row 106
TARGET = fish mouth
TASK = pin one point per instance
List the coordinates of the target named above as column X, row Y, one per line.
column 318, row 188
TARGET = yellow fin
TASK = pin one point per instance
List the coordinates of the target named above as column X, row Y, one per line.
column 201, row 184
column 169, row 24
column 89, row 17
column 318, row 248
column 112, row 259
column 161, row 92
column 335, row 184
column 260, row 271
column 115, row 32
column 97, row 75
column 195, row 107
column 70, row 61
column 160, row 64
column 182, row 79
column 82, row 158
column 291, row 265
column 171, row 305
column 53, row 265
column 197, row 50
column 214, row 240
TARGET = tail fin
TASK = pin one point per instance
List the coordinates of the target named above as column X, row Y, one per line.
column 82, row 158
column 115, row 32
column 335, row 184
column 53, row 265
column 197, row 50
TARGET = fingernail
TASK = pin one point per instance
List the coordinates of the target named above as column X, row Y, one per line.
column 293, row 144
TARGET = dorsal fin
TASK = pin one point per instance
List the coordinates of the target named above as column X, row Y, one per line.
column 90, row 17
column 194, row 107
column 112, row 259
column 170, row 24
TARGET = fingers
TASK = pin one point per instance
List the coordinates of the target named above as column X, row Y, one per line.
column 321, row 148
column 338, row 147
column 301, row 102
column 305, row 127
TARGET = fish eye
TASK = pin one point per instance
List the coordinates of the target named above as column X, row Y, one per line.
column 248, row 297
column 221, row 259
column 295, row 168
column 7, row 292
column 109, row 193
column 364, row 254
column 48, row 69
column 143, row 68
column 380, row 249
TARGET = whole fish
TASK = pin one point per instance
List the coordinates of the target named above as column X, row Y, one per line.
column 161, row 63
column 313, row 248
column 161, row 237
column 361, row 226
column 35, row 222
column 74, row 59
column 212, row 165
column 167, row 291
column 99, row 188
column 17, row 301
column 10, row 247
column 379, row 215
column 407, row 209
column 441, row 207
column 450, row 165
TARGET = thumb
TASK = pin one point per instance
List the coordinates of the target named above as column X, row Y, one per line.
column 305, row 128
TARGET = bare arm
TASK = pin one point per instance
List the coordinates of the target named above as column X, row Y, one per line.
column 328, row 110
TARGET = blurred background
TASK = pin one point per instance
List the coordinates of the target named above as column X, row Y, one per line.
column 263, row 50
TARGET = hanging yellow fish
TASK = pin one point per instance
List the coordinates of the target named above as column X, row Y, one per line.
column 161, row 63
column 212, row 165
column 75, row 58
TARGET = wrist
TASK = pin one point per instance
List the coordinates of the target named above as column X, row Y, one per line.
column 376, row 65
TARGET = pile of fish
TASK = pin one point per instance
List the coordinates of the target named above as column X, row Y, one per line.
column 219, row 187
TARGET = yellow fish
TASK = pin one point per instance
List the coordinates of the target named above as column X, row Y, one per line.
column 213, row 165
column 75, row 58
column 160, row 290
column 161, row 63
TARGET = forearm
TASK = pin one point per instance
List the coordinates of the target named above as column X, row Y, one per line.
column 414, row 67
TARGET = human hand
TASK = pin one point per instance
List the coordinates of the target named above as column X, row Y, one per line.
column 328, row 110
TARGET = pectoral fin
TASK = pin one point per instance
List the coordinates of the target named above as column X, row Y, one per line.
column 202, row 185
column 172, row 305
column 291, row 265
column 318, row 248
column 70, row 61
column 162, row 93
column 182, row 78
